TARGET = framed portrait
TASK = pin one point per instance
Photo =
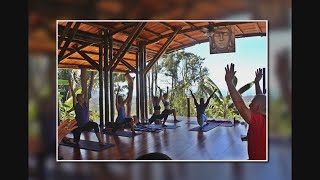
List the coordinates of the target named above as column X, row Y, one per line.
column 222, row 40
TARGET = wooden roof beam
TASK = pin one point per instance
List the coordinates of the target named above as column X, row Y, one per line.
column 86, row 37
column 186, row 35
column 86, row 57
column 64, row 33
column 258, row 28
column 172, row 28
column 237, row 27
column 128, row 65
column 191, row 44
column 66, row 44
column 194, row 26
column 124, row 48
column 127, row 26
column 72, row 51
column 161, row 51
column 193, row 29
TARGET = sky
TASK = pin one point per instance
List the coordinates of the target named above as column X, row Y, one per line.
column 251, row 54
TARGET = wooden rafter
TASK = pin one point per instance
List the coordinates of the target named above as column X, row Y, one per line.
column 86, row 57
column 64, row 33
column 128, row 65
column 72, row 51
column 161, row 51
column 66, row 44
column 258, row 28
column 94, row 39
column 127, row 26
column 186, row 35
column 171, row 28
column 193, row 29
column 124, row 48
column 237, row 27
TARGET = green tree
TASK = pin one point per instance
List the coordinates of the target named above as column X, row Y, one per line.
column 222, row 106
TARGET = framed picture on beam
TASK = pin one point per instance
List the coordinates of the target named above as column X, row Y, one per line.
column 222, row 40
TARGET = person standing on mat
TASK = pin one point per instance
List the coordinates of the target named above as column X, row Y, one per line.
column 82, row 118
column 122, row 120
column 255, row 115
column 201, row 115
column 167, row 111
column 156, row 107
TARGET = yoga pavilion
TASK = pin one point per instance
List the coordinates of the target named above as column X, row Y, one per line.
column 111, row 47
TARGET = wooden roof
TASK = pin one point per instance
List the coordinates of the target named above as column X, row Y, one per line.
column 153, row 34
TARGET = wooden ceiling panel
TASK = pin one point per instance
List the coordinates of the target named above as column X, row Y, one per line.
column 192, row 32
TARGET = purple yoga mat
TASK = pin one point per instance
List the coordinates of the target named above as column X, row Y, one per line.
column 205, row 128
column 88, row 145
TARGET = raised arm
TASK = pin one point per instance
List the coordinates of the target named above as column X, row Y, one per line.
column 72, row 93
column 128, row 97
column 236, row 98
column 160, row 97
column 194, row 98
column 117, row 99
column 208, row 100
column 256, row 81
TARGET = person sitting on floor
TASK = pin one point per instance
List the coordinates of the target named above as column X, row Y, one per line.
column 201, row 115
column 167, row 111
column 255, row 115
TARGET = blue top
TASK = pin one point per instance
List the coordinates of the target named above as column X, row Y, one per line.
column 82, row 114
column 121, row 115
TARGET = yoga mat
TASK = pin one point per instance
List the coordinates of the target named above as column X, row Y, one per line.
column 205, row 128
column 160, row 126
column 146, row 129
column 88, row 145
column 171, row 121
column 122, row 133
column 222, row 123
column 192, row 122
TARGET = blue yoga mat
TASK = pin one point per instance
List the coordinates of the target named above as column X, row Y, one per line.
column 192, row 122
column 88, row 145
column 146, row 129
column 122, row 133
column 160, row 126
column 171, row 121
column 205, row 128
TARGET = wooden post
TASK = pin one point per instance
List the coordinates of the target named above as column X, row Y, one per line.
column 137, row 85
column 145, row 82
column 101, row 84
column 141, row 80
column 106, row 77
column 264, row 80
column 167, row 90
column 111, row 81
column 188, row 104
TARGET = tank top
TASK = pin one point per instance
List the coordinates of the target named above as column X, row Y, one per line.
column 121, row 115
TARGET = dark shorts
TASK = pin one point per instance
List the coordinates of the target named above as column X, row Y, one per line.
column 167, row 111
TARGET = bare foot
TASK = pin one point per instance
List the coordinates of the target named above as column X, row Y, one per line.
column 102, row 143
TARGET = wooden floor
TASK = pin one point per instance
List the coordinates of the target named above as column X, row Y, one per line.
column 220, row 143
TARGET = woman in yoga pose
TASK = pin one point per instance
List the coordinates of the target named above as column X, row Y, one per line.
column 167, row 111
column 156, row 107
column 201, row 115
column 122, row 119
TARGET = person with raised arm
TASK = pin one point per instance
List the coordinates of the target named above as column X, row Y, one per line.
column 255, row 115
column 201, row 115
